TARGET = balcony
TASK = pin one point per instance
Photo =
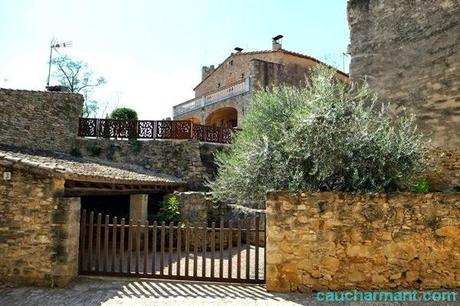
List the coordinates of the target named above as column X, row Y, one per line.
column 152, row 129
column 212, row 98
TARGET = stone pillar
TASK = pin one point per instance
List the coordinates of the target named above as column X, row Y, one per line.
column 65, row 234
column 138, row 204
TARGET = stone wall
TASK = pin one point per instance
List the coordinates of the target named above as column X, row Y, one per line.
column 339, row 241
column 195, row 207
column 38, row 119
column 39, row 230
column 198, row 208
column 265, row 74
column 444, row 175
column 190, row 160
column 409, row 51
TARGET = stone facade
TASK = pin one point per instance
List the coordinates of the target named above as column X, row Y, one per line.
column 339, row 241
column 189, row 160
column 260, row 69
column 409, row 51
column 238, row 66
column 39, row 230
column 38, row 119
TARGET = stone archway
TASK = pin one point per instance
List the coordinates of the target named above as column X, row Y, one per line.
column 224, row 117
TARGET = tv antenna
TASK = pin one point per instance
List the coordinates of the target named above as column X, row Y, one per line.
column 55, row 46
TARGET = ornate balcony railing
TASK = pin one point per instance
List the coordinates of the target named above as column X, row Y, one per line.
column 214, row 97
column 152, row 129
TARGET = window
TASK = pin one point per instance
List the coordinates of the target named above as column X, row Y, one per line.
column 230, row 63
column 242, row 75
column 218, row 85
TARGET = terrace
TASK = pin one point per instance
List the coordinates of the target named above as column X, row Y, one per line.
column 225, row 93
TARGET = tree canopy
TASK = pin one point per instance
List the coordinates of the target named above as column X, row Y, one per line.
column 329, row 135
column 78, row 77
column 75, row 74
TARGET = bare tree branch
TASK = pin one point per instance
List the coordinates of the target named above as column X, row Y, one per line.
column 77, row 77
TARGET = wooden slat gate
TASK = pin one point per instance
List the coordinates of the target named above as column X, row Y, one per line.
column 231, row 253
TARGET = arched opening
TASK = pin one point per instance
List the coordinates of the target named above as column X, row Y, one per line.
column 224, row 117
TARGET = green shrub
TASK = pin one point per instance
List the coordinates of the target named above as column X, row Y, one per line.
column 169, row 211
column 327, row 136
column 123, row 113
column 422, row 186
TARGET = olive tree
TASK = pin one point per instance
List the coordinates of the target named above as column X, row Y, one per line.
column 330, row 135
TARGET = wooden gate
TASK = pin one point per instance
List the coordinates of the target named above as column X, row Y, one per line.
column 231, row 253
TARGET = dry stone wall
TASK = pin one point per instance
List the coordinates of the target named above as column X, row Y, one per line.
column 444, row 174
column 39, row 230
column 189, row 160
column 409, row 51
column 339, row 241
column 39, row 119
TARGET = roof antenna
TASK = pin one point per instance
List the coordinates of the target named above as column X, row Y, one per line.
column 54, row 46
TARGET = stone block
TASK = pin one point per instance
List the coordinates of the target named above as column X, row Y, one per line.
column 330, row 263
column 358, row 251
column 451, row 231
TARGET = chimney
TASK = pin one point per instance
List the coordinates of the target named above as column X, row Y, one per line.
column 205, row 71
column 276, row 43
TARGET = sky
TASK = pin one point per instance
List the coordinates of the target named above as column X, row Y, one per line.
column 151, row 52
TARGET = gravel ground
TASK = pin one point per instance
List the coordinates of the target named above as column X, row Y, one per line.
column 122, row 291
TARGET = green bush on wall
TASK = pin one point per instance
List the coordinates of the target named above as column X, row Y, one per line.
column 123, row 113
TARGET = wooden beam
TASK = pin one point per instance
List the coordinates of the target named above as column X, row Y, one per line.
column 80, row 192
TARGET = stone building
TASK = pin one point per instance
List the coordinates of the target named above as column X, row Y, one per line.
column 221, row 98
column 40, row 199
